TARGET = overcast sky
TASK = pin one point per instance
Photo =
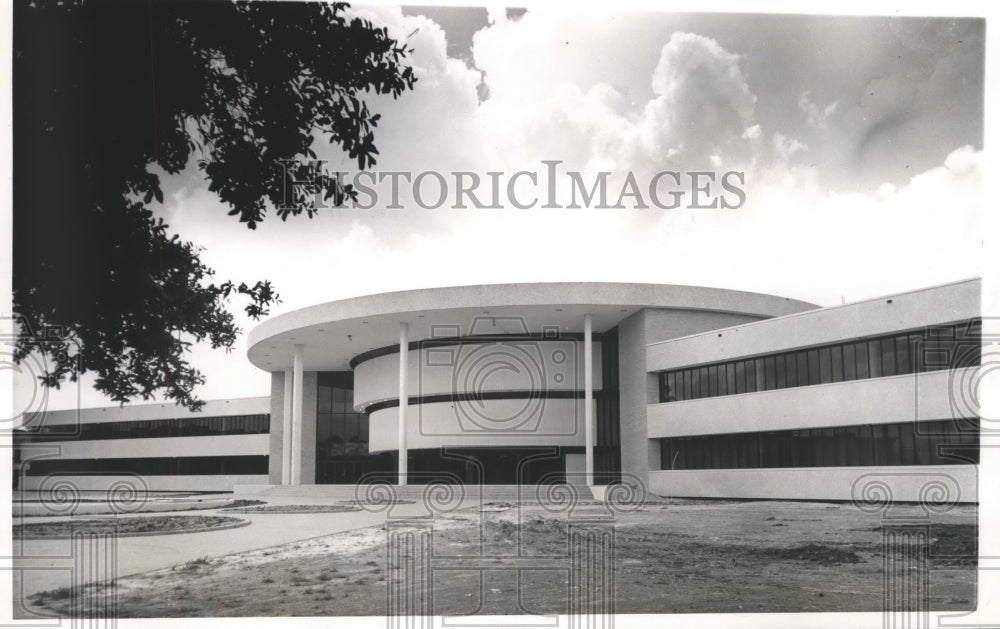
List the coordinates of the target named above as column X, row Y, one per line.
column 859, row 140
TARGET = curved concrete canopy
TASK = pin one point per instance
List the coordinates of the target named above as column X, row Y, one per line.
column 334, row 332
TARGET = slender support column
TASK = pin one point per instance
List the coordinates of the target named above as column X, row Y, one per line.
column 286, row 430
column 404, row 369
column 588, row 396
column 297, row 392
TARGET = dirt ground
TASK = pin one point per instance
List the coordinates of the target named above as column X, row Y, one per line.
column 125, row 525
column 672, row 557
column 335, row 508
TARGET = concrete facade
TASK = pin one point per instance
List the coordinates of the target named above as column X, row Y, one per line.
column 530, row 337
column 911, row 398
column 505, row 367
column 70, row 443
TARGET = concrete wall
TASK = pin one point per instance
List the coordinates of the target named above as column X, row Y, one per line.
column 920, row 397
column 224, row 445
column 885, row 315
column 281, row 411
column 505, row 366
column 636, row 452
column 152, row 483
column 139, row 412
column 276, row 439
column 335, row 332
column 194, row 446
column 520, row 423
column 959, row 483
column 639, row 453
column 307, row 458
column 911, row 397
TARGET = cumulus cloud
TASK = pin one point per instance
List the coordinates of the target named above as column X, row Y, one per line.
column 622, row 96
column 696, row 113
column 700, row 111
column 703, row 104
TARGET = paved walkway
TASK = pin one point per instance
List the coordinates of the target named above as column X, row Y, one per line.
column 49, row 563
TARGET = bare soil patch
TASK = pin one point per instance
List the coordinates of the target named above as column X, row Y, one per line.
column 666, row 558
column 147, row 525
column 293, row 509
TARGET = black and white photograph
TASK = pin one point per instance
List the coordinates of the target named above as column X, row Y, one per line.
column 461, row 315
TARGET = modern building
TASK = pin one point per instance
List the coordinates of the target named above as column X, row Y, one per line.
column 163, row 447
column 692, row 391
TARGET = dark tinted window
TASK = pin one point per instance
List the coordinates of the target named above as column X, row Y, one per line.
column 940, row 347
column 902, row 444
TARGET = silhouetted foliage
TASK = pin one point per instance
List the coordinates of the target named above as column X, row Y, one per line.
column 104, row 90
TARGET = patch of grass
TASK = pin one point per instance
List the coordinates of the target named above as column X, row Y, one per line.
column 195, row 564
column 954, row 544
column 950, row 544
column 395, row 501
column 60, row 594
column 293, row 509
column 817, row 553
column 242, row 502
column 124, row 525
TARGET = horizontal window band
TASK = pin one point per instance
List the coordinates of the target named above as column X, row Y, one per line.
column 478, row 339
column 971, row 331
column 214, row 426
column 925, row 350
column 936, row 442
column 490, row 395
column 236, row 465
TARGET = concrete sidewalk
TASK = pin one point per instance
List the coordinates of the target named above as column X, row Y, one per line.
column 48, row 559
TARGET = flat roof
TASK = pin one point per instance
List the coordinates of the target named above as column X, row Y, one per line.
column 845, row 306
column 153, row 411
column 333, row 333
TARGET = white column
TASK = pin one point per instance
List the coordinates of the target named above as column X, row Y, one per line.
column 286, row 431
column 297, row 392
column 404, row 369
column 588, row 396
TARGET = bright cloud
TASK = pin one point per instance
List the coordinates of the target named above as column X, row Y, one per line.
column 625, row 95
